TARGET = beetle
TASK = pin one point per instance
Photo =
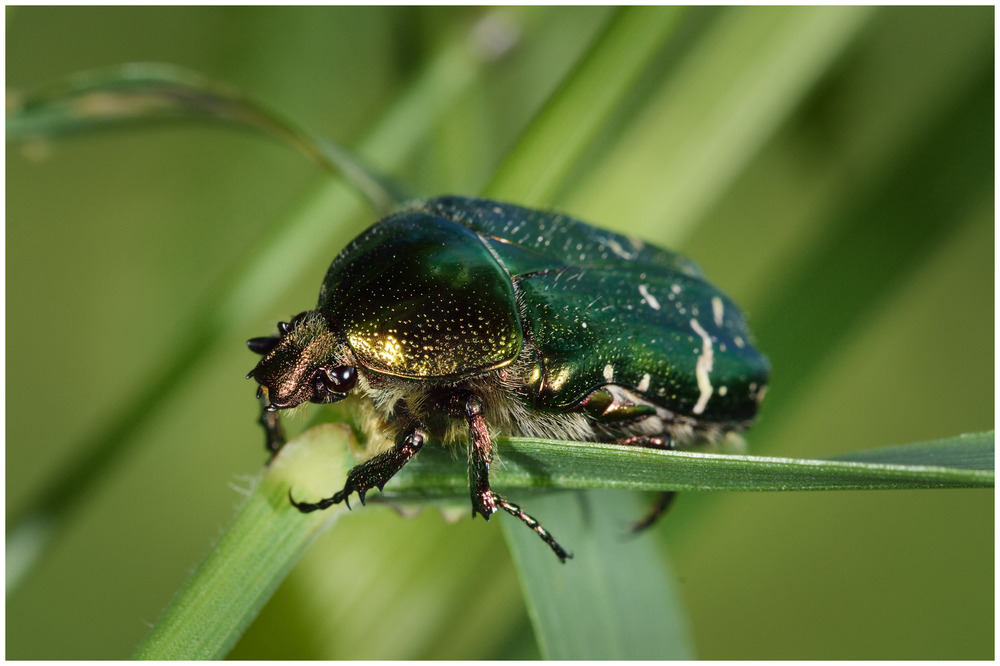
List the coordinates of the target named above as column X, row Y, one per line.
column 464, row 318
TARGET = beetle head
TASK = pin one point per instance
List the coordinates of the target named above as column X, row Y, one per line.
column 300, row 364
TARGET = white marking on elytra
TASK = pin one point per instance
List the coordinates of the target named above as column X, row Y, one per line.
column 650, row 299
column 609, row 372
column 676, row 288
column 560, row 379
column 739, row 341
column 717, row 310
column 702, row 368
column 644, row 383
column 723, row 390
column 619, row 250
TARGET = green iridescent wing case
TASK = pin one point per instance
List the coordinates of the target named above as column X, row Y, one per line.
column 603, row 308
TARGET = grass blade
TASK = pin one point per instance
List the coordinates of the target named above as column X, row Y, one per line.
column 254, row 554
column 960, row 462
column 615, row 600
column 144, row 93
column 972, row 451
column 594, row 606
column 579, row 110
column 704, row 124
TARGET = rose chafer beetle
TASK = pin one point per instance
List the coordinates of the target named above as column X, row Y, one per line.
column 464, row 319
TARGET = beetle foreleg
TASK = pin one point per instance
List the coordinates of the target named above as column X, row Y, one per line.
column 274, row 434
column 484, row 500
column 374, row 472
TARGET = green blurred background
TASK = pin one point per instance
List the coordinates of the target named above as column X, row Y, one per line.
column 848, row 205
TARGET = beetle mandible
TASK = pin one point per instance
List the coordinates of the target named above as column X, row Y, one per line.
column 504, row 320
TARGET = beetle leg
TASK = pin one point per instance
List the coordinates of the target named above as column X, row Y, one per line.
column 374, row 472
column 273, row 432
column 516, row 511
column 663, row 499
column 660, row 506
column 484, row 500
column 647, row 441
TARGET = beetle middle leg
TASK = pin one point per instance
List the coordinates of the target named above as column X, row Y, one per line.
column 484, row 501
column 377, row 470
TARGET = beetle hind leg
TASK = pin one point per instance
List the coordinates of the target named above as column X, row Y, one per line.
column 663, row 499
column 660, row 507
column 484, row 501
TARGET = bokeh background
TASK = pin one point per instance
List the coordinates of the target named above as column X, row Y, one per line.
column 850, row 210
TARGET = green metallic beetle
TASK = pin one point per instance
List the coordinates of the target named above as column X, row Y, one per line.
column 468, row 318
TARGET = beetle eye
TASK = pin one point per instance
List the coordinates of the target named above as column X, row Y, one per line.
column 339, row 379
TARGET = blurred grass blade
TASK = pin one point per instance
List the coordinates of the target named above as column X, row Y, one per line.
column 579, row 110
column 737, row 83
column 615, row 599
column 143, row 93
column 973, row 451
column 299, row 239
column 547, row 464
column 794, row 320
column 254, row 554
